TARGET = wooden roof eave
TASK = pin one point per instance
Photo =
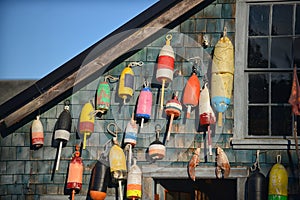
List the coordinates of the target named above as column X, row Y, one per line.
column 130, row 36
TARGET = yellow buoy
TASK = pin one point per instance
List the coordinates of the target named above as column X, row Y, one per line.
column 278, row 182
column 86, row 123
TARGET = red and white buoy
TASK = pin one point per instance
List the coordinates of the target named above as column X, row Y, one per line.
column 165, row 66
column 74, row 181
column 207, row 115
column 173, row 110
column 37, row 133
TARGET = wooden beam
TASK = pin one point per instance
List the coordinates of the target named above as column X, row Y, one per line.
column 137, row 37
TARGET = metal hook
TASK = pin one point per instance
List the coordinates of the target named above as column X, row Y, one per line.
column 256, row 164
column 134, row 64
column 114, row 133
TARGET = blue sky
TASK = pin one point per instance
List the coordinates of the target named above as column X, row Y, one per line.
column 37, row 36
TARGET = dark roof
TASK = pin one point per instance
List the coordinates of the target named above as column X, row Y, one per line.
column 106, row 53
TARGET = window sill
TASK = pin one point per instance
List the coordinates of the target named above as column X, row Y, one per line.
column 263, row 143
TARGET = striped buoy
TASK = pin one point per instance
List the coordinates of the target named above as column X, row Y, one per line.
column 165, row 66
column 37, row 133
column 63, row 129
column 134, row 182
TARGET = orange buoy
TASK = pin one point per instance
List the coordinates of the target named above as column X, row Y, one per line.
column 63, row 129
column 165, row 66
column 86, row 122
column 37, row 133
column 74, row 181
column 173, row 110
column 191, row 92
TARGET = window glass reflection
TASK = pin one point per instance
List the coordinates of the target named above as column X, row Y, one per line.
column 258, row 53
column 259, row 20
column 282, row 20
column 281, row 52
column 281, row 121
column 281, row 84
column 258, row 120
column 258, row 88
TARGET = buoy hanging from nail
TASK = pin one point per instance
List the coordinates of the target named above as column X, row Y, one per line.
column 191, row 93
column 173, row 110
column 165, row 66
column 74, row 181
column 130, row 137
column 86, row 122
column 134, row 182
column 126, row 83
column 222, row 76
column 144, row 106
column 157, row 149
column 103, row 95
column 37, row 133
column 63, row 129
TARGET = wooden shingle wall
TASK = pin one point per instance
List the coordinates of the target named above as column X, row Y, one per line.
column 30, row 174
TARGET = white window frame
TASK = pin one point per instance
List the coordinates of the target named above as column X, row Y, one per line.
column 241, row 140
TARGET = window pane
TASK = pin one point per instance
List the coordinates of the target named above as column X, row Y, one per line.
column 258, row 88
column 258, row 120
column 281, row 121
column 258, row 53
column 297, row 51
column 259, row 20
column 297, row 30
column 281, row 53
column 281, row 85
column 282, row 20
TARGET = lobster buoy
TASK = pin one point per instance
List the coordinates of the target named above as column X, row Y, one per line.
column 131, row 137
column 99, row 181
column 63, row 129
column 37, row 133
column 278, row 182
column 257, row 186
column 144, row 105
column 103, row 95
column 157, row 149
column 173, row 110
column 126, row 83
column 74, row 181
column 191, row 92
column 165, row 66
column 207, row 115
column 86, row 122
column 134, row 182
column 117, row 163
column 222, row 76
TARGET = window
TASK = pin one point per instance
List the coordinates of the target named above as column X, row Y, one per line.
column 267, row 48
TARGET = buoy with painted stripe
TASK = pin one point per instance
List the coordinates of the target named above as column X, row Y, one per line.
column 134, row 182
column 99, row 181
column 165, row 66
column 37, row 133
column 63, row 129
column 173, row 110
column 222, row 76
column 86, row 122
column 74, row 181
column 144, row 106
column 157, row 149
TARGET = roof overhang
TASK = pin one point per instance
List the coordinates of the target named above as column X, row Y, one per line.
column 88, row 65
